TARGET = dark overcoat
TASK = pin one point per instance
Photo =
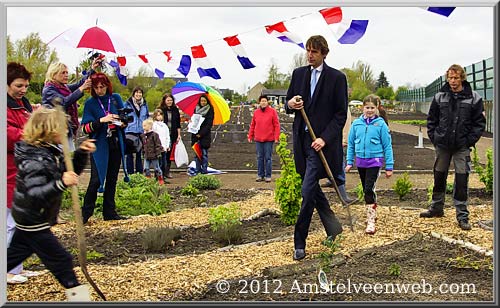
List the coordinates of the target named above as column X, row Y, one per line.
column 327, row 112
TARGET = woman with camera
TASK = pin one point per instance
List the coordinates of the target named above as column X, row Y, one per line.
column 138, row 104
column 102, row 122
column 57, row 91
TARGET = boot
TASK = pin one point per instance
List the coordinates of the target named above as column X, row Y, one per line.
column 344, row 195
column 160, row 180
column 79, row 293
column 371, row 215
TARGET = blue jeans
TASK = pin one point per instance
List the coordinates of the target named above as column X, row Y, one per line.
column 202, row 166
column 264, row 158
column 148, row 163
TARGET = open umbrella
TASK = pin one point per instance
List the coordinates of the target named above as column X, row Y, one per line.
column 187, row 94
column 93, row 38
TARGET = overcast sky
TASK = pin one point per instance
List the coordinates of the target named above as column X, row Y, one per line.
column 409, row 44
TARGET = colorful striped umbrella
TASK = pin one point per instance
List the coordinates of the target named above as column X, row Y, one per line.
column 188, row 93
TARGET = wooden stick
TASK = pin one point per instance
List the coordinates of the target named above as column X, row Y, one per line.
column 469, row 245
column 328, row 170
column 80, row 232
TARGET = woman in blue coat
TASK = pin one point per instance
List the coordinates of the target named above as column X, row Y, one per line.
column 101, row 122
column 140, row 113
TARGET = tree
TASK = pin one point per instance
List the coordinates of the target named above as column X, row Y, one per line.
column 33, row 53
column 382, row 81
column 275, row 79
column 385, row 93
column 299, row 59
column 365, row 74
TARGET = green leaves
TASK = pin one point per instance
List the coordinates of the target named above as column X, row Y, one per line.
column 485, row 173
column 225, row 222
column 402, row 186
column 204, row 182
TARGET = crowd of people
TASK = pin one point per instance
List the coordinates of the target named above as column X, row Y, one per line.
column 317, row 95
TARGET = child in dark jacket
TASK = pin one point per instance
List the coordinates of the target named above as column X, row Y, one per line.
column 152, row 148
column 40, row 183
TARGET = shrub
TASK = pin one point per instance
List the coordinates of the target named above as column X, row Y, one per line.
column 332, row 248
column 204, row 182
column 157, row 239
column 359, row 191
column 485, row 173
column 189, row 190
column 402, row 186
column 288, row 186
column 394, row 270
column 225, row 222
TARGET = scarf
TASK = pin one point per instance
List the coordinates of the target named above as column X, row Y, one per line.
column 71, row 110
column 202, row 110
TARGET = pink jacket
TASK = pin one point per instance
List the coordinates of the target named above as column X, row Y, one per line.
column 265, row 125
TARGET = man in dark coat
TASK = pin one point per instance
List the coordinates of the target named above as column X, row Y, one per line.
column 322, row 92
column 455, row 123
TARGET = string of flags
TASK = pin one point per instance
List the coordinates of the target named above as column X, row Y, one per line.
column 345, row 30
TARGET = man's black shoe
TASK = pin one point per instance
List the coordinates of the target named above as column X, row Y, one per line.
column 431, row 213
column 299, row 254
column 464, row 225
column 117, row 217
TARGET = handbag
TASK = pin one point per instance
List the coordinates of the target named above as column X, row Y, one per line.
column 181, row 155
column 133, row 143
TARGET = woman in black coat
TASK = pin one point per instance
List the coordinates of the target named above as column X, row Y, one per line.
column 172, row 118
column 204, row 134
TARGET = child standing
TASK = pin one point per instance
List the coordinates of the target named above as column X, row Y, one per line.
column 151, row 147
column 369, row 139
column 40, row 182
column 163, row 132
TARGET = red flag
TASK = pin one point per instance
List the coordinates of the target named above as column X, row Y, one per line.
column 332, row 15
column 169, row 57
column 197, row 149
column 143, row 58
column 122, row 61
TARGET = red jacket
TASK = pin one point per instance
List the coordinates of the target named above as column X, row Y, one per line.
column 17, row 116
column 265, row 125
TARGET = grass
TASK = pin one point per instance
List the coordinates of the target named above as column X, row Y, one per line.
column 411, row 122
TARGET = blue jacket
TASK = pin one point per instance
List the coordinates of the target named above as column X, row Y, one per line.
column 136, row 125
column 92, row 112
column 370, row 141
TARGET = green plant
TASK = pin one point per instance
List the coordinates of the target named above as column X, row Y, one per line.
column 412, row 122
column 449, row 188
column 157, row 239
column 467, row 262
column 32, row 260
column 394, row 270
column 333, row 246
column 358, row 190
column 402, row 186
column 289, row 185
column 485, row 173
column 204, row 182
column 430, row 190
column 189, row 190
column 91, row 254
column 225, row 222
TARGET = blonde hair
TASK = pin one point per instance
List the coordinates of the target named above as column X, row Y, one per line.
column 156, row 113
column 43, row 126
column 148, row 123
column 457, row 69
column 53, row 70
column 374, row 99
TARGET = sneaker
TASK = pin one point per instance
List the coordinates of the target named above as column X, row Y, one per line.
column 464, row 225
column 259, row 179
column 27, row 273
column 268, row 180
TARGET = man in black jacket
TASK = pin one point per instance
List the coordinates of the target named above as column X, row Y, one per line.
column 455, row 123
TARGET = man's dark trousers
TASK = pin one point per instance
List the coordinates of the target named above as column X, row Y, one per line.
column 313, row 197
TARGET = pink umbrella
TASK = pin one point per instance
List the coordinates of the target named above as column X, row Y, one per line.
column 94, row 38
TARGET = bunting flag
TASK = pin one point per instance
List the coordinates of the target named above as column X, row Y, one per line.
column 235, row 44
column 443, row 11
column 143, row 58
column 185, row 65
column 116, row 66
column 159, row 73
column 122, row 61
column 281, row 32
column 346, row 31
column 167, row 54
column 205, row 68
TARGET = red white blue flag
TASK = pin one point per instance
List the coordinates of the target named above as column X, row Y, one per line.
column 346, row 31
column 281, row 32
column 235, row 44
column 443, row 11
column 205, row 67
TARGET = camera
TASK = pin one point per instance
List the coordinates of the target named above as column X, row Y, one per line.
column 99, row 56
column 123, row 114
